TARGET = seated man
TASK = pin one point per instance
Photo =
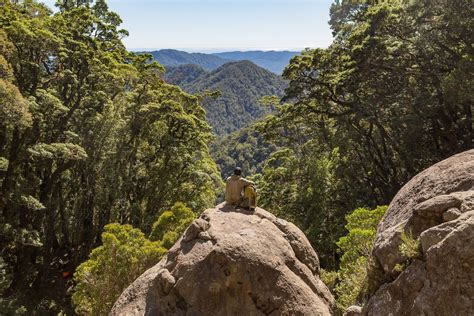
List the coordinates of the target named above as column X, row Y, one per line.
column 239, row 191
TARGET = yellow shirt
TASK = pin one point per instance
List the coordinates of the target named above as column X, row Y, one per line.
column 234, row 187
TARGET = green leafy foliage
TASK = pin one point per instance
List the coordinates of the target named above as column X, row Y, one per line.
column 124, row 255
column 368, row 113
column 13, row 107
column 171, row 224
column 361, row 226
column 90, row 134
column 245, row 148
column 356, row 248
column 63, row 151
column 330, row 278
column 241, row 85
column 302, row 186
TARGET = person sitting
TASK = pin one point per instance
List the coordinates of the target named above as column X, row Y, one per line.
column 239, row 191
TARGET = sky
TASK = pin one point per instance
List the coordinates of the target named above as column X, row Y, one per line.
column 223, row 25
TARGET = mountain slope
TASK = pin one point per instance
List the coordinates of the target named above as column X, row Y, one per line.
column 173, row 58
column 245, row 148
column 184, row 74
column 274, row 61
column 241, row 84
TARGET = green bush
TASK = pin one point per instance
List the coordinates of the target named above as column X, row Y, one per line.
column 329, row 278
column 410, row 248
column 171, row 224
column 124, row 255
column 356, row 247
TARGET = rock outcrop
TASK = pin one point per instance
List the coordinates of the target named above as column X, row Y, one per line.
column 437, row 208
column 232, row 262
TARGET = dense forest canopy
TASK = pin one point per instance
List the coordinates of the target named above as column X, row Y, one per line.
column 184, row 74
column 391, row 96
column 246, row 148
column 101, row 158
column 241, row 85
column 89, row 134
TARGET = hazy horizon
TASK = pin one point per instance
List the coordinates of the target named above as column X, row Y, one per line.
column 217, row 49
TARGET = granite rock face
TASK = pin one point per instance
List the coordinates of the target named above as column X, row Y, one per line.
column 232, row 262
column 436, row 207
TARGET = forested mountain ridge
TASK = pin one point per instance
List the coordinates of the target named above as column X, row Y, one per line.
column 274, row 61
column 184, row 74
column 173, row 58
column 234, row 146
column 241, row 85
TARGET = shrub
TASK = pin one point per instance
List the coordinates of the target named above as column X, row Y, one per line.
column 329, row 278
column 356, row 247
column 124, row 255
column 171, row 224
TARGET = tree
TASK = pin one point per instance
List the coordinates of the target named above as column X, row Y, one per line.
column 382, row 97
column 171, row 224
column 356, row 247
column 125, row 253
column 89, row 135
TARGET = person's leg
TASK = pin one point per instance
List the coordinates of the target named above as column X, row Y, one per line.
column 244, row 202
column 250, row 197
column 253, row 199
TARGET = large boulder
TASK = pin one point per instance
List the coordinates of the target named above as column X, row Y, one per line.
column 436, row 208
column 232, row 262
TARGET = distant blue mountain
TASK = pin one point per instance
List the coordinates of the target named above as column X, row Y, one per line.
column 274, row 61
column 174, row 58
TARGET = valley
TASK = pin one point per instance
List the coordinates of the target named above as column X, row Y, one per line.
column 240, row 86
column 234, row 110
column 114, row 161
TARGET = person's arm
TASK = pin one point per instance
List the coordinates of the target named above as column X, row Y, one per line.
column 246, row 182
